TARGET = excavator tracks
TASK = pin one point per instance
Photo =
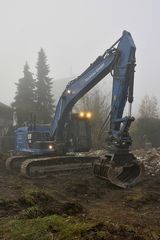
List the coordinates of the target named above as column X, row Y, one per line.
column 41, row 167
column 123, row 176
column 125, row 171
column 13, row 163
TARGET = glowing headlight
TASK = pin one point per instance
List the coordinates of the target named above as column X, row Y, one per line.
column 50, row 147
column 81, row 114
column 69, row 91
column 88, row 115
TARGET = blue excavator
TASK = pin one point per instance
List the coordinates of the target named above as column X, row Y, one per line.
column 45, row 149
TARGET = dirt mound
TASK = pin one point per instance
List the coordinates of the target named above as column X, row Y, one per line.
column 39, row 204
column 151, row 160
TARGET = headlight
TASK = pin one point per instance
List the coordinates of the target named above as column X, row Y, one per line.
column 81, row 114
column 50, row 147
column 69, row 91
column 88, row 115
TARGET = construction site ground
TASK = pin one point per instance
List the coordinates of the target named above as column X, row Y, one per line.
column 76, row 205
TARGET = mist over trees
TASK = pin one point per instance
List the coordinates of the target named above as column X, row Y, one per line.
column 34, row 95
column 145, row 130
column 149, row 107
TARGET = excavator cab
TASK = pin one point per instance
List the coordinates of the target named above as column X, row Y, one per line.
column 78, row 132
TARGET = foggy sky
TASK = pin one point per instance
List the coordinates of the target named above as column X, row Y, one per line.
column 73, row 34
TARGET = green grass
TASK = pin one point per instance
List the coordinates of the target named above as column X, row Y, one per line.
column 56, row 227
column 47, row 228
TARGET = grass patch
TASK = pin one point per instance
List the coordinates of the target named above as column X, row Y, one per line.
column 136, row 197
column 47, row 228
column 69, row 228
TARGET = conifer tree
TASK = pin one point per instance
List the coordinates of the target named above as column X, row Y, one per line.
column 25, row 96
column 44, row 98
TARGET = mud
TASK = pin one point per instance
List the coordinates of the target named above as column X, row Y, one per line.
column 90, row 199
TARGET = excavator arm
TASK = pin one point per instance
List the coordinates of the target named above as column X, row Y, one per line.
column 78, row 87
column 120, row 61
column 118, row 165
column 123, row 81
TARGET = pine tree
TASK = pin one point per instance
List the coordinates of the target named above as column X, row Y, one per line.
column 44, row 98
column 25, row 96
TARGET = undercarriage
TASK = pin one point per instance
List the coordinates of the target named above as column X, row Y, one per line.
column 35, row 167
column 120, row 173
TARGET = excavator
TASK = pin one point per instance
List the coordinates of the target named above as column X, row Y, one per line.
column 45, row 149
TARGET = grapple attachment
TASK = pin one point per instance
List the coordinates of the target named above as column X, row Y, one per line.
column 122, row 170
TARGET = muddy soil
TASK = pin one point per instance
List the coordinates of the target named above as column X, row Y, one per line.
column 91, row 199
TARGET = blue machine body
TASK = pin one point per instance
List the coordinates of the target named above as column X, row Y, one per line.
column 26, row 136
column 119, row 60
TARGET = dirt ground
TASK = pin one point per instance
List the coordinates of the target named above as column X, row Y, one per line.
column 90, row 199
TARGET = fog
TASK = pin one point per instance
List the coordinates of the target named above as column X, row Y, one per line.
column 73, row 33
